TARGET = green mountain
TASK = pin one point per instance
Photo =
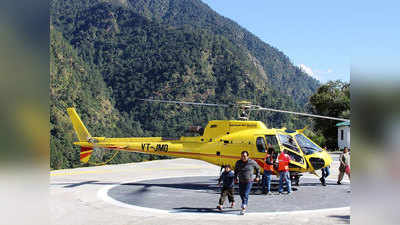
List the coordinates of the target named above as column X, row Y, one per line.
column 274, row 67
column 74, row 82
column 105, row 55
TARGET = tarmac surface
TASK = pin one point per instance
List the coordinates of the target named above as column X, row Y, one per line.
column 194, row 194
column 181, row 190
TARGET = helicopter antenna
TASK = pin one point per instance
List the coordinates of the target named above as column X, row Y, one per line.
column 245, row 108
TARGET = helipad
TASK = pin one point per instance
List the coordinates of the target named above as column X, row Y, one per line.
column 183, row 191
column 200, row 194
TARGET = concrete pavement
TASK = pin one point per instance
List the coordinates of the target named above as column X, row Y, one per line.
column 78, row 197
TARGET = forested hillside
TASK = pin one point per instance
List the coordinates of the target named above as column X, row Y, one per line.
column 107, row 55
column 274, row 66
column 75, row 83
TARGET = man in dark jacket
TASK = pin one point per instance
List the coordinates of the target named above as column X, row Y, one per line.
column 227, row 178
column 268, row 168
column 244, row 169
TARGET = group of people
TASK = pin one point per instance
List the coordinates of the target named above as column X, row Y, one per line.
column 243, row 174
column 283, row 169
column 246, row 167
column 344, row 168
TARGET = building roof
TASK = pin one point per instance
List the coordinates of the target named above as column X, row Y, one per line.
column 341, row 124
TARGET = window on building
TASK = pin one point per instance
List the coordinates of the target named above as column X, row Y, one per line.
column 341, row 135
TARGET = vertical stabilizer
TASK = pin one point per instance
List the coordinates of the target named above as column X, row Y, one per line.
column 79, row 127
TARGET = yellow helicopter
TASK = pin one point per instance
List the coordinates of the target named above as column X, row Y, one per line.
column 220, row 142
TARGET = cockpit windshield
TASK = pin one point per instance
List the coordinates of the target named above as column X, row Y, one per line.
column 306, row 145
column 288, row 142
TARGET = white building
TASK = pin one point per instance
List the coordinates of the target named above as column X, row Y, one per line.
column 343, row 135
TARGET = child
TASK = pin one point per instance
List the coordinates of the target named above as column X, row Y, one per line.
column 227, row 178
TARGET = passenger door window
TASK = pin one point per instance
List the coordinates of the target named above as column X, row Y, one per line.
column 260, row 142
column 272, row 142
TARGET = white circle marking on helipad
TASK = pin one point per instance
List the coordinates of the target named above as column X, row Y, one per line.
column 103, row 195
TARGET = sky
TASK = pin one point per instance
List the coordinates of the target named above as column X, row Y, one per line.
column 323, row 38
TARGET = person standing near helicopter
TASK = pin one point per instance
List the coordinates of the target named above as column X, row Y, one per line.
column 283, row 169
column 244, row 170
column 268, row 168
column 325, row 172
column 344, row 159
column 227, row 179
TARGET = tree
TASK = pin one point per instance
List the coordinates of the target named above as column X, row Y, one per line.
column 331, row 99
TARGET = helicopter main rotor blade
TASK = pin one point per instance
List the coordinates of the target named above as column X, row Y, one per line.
column 185, row 103
column 303, row 114
column 253, row 108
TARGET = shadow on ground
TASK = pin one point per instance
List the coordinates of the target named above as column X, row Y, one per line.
column 204, row 210
column 90, row 182
column 343, row 218
column 208, row 187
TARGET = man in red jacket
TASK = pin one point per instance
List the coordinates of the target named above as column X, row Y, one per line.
column 283, row 169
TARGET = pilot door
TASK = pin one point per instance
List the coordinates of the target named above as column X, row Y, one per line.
column 289, row 143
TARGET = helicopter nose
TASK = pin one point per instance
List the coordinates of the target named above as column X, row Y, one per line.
column 320, row 160
column 317, row 163
column 327, row 157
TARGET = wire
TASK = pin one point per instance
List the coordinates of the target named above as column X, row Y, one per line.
column 104, row 163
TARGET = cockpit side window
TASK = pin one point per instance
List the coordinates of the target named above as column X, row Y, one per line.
column 306, row 145
column 288, row 142
column 272, row 142
column 295, row 157
column 261, row 147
